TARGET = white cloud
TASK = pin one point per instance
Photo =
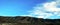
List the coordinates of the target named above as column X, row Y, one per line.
column 51, row 7
column 46, row 10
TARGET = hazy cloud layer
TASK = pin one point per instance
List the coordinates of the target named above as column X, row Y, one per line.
column 46, row 10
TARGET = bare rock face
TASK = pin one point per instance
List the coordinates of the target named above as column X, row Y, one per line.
column 25, row 20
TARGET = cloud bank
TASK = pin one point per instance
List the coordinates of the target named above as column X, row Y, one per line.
column 46, row 10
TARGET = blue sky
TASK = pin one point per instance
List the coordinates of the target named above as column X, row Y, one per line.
column 28, row 8
column 17, row 7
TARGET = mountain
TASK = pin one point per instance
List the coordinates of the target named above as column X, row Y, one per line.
column 26, row 20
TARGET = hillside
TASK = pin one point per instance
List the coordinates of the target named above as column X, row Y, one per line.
column 26, row 20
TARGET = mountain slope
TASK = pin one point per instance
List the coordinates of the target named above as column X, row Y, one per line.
column 26, row 20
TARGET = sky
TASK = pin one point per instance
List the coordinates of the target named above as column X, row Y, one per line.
column 47, row 9
column 17, row 7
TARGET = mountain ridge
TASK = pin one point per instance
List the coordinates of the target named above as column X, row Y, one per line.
column 27, row 19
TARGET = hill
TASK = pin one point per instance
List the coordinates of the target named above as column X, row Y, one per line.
column 26, row 20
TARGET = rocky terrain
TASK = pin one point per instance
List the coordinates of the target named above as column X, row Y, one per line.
column 26, row 20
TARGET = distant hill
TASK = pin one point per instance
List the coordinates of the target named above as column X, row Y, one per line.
column 29, row 20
